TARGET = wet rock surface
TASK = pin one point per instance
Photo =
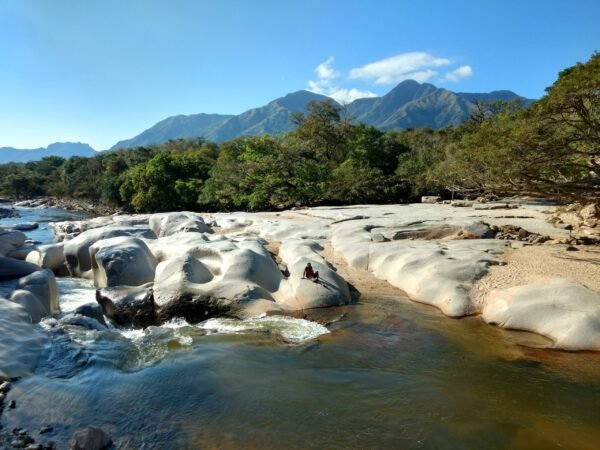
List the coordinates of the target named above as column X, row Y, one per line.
column 90, row 438
column 128, row 306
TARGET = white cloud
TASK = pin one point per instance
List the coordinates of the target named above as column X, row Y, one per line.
column 325, row 71
column 339, row 94
column 458, row 74
column 343, row 95
column 417, row 66
column 324, row 86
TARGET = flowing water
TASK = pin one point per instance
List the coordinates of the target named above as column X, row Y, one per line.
column 381, row 373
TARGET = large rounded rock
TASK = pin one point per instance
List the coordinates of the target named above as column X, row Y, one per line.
column 179, row 291
column 77, row 250
column 13, row 268
column 128, row 306
column 10, row 240
column 122, row 261
column 171, row 223
column 48, row 257
column 560, row 309
column 331, row 290
column 42, row 285
column 30, row 303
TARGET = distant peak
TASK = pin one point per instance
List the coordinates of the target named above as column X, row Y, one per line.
column 409, row 83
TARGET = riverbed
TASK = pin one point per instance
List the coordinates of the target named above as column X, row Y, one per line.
column 382, row 372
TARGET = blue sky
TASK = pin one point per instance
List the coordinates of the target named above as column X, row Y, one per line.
column 100, row 71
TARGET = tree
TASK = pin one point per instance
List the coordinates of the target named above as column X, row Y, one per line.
column 324, row 131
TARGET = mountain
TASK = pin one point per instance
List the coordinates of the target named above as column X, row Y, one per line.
column 273, row 118
column 409, row 105
column 62, row 149
column 176, row 127
column 413, row 105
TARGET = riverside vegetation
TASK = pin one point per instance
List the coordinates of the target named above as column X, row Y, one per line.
column 550, row 148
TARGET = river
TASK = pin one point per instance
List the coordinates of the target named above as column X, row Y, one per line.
column 381, row 373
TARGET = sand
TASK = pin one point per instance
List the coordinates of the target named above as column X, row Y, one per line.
column 538, row 263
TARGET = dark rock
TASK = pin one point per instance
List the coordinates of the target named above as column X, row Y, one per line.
column 90, row 438
column 570, row 248
column 430, row 199
column 12, row 404
column 78, row 320
column 46, row 429
column 198, row 307
column 378, row 237
column 26, row 226
column 92, row 310
column 128, row 306
column 284, row 270
column 5, row 213
column 478, row 230
column 13, row 268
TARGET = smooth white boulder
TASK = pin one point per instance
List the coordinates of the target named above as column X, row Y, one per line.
column 439, row 271
column 179, row 245
column 180, row 291
column 48, row 256
column 563, row 310
column 10, row 240
column 167, row 224
column 11, row 268
column 77, row 250
column 30, row 303
column 42, row 285
column 20, row 341
column 122, row 261
column 331, row 290
column 221, row 277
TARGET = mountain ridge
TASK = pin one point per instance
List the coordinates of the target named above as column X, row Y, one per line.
column 410, row 104
column 61, row 149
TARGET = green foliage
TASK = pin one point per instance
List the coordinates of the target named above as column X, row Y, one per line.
column 168, row 181
column 553, row 148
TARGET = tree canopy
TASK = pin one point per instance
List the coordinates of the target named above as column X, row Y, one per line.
column 551, row 147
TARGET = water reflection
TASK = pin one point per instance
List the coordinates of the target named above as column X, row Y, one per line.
column 389, row 375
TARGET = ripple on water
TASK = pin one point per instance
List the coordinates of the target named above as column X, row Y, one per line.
column 289, row 328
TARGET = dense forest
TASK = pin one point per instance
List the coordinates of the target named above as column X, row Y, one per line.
column 550, row 148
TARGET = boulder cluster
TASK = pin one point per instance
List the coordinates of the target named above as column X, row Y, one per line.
column 582, row 220
column 150, row 269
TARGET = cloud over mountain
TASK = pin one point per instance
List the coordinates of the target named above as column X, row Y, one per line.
column 324, row 85
column 418, row 66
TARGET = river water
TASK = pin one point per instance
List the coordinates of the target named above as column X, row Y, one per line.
column 381, row 373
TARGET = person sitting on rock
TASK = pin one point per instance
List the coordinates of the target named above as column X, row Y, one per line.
column 310, row 273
